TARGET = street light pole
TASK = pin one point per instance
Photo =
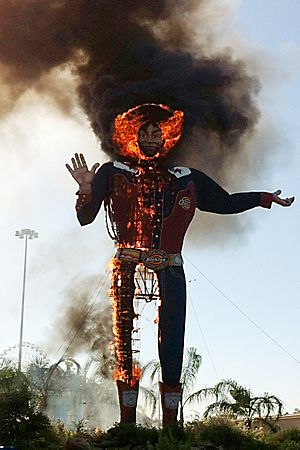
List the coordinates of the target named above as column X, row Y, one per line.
column 27, row 234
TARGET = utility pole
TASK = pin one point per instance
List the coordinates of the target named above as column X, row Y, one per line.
column 27, row 234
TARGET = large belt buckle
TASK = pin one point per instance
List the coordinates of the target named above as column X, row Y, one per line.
column 155, row 259
column 128, row 254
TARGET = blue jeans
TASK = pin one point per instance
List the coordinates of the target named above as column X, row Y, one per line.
column 171, row 323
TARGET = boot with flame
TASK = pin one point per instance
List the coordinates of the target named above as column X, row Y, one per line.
column 170, row 398
column 127, row 400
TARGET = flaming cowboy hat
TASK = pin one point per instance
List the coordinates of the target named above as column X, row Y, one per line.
column 127, row 125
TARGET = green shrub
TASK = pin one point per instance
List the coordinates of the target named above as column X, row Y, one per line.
column 20, row 424
column 169, row 442
column 223, row 432
column 285, row 439
column 122, row 434
column 77, row 443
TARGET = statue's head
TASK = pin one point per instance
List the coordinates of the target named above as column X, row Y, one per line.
column 147, row 131
column 150, row 140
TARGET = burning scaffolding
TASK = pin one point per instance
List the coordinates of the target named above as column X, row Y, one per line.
column 129, row 289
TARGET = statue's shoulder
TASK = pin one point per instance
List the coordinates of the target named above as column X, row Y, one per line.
column 180, row 172
column 121, row 166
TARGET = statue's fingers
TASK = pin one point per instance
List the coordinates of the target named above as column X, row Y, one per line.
column 75, row 167
column 69, row 169
column 278, row 192
column 77, row 159
column 82, row 159
column 290, row 200
column 286, row 202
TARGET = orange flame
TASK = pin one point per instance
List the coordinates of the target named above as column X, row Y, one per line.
column 128, row 370
column 137, row 372
column 127, row 125
column 122, row 375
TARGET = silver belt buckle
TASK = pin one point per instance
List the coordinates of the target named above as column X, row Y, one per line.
column 155, row 259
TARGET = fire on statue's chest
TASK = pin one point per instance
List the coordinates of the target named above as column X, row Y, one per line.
column 137, row 206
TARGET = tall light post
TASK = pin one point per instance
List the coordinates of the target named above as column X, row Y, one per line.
column 27, row 234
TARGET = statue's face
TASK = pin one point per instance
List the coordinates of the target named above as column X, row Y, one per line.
column 150, row 140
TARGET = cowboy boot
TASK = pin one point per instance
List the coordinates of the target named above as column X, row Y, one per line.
column 170, row 398
column 127, row 400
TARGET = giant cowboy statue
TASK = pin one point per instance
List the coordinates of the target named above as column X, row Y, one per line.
column 150, row 208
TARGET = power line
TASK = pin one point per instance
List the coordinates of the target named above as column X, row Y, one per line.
column 244, row 314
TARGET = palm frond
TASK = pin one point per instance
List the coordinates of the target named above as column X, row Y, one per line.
column 150, row 396
column 218, row 408
column 225, row 386
column 267, row 405
column 6, row 362
column 190, row 369
column 218, row 392
column 151, row 369
column 198, row 396
column 241, row 395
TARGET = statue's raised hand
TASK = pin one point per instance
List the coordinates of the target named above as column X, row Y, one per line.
column 80, row 172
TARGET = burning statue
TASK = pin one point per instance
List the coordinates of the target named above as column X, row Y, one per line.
column 150, row 207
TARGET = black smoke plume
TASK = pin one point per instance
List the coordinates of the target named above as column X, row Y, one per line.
column 85, row 324
column 127, row 52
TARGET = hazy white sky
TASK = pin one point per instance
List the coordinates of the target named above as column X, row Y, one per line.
column 257, row 269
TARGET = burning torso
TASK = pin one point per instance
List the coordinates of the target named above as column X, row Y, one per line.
column 149, row 208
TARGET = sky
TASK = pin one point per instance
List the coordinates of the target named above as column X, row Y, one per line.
column 254, row 269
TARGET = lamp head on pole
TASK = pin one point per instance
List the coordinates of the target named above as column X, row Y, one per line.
column 26, row 232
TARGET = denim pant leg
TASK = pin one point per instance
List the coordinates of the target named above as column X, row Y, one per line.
column 171, row 323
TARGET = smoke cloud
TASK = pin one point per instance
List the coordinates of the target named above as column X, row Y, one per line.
column 85, row 323
column 126, row 52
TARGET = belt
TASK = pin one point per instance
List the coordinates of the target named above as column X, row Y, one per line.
column 154, row 259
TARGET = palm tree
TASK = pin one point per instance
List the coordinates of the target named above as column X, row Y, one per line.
column 191, row 365
column 238, row 401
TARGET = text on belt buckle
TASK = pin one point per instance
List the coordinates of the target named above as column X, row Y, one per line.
column 155, row 259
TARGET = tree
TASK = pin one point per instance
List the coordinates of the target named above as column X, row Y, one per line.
column 20, row 423
column 191, row 365
column 238, row 401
